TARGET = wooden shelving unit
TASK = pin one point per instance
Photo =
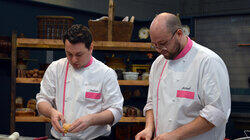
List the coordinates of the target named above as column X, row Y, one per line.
column 45, row 119
column 98, row 45
column 32, row 43
column 58, row 44
column 121, row 82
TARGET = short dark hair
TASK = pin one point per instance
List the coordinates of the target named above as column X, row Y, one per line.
column 78, row 34
column 173, row 23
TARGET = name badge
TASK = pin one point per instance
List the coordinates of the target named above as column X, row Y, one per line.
column 93, row 95
column 185, row 94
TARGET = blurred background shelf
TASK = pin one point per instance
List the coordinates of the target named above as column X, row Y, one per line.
column 98, row 45
column 121, row 82
column 133, row 119
column 45, row 119
column 133, row 82
column 29, row 80
column 32, row 119
column 5, row 58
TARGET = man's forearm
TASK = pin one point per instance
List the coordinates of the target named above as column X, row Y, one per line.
column 102, row 118
column 45, row 108
column 150, row 120
column 196, row 127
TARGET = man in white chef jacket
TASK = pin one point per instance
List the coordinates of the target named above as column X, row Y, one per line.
column 189, row 94
column 80, row 90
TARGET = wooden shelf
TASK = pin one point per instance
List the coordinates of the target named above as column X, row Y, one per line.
column 5, row 58
column 39, row 43
column 244, row 45
column 123, row 46
column 121, row 82
column 98, row 45
column 29, row 80
column 133, row 82
column 133, row 119
column 45, row 119
column 32, row 119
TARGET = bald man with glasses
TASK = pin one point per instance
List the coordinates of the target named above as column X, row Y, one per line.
column 189, row 93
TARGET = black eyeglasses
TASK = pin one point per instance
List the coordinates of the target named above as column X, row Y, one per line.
column 165, row 43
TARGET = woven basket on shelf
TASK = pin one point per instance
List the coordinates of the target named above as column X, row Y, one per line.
column 53, row 27
column 122, row 30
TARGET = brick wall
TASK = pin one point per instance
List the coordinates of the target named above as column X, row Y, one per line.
column 222, row 34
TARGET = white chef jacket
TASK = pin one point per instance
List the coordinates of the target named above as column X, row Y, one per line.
column 195, row 84
column 89, row 90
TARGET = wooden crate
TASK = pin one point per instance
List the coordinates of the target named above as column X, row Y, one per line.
column 122, row 30
column 5, row 46
column 53, row 27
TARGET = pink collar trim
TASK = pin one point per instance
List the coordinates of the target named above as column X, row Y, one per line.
column 89, row 63
column 185, row 50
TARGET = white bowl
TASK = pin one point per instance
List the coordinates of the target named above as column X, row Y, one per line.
column 130, row 75
column 145, row 76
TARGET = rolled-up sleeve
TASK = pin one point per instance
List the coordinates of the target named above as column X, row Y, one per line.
column 112, row 97
column 47, row 87
column 149, row 104
column 215, row 94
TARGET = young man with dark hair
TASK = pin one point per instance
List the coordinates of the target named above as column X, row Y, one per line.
column 80, row 90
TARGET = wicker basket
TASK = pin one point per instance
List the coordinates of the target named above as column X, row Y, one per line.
column 53, row 27
column 122, row 30
column 5, row 46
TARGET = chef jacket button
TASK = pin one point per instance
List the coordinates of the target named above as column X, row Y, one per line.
column 67, row 99
column 170, row 120
column 173, row 100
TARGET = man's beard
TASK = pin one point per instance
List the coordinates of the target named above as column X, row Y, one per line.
column 177, row 51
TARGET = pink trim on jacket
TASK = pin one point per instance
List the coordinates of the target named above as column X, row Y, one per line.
column 89, row 63
column 64, row 88
column 156, row 123
column 185, row 50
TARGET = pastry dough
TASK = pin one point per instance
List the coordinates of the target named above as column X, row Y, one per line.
column 66, row 127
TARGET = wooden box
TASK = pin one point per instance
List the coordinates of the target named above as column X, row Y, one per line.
column 5, row 46
column 122, row 30
column 53, row 27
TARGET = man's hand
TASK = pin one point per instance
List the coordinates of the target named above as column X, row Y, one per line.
column 80, row 124
column 167, row 136
column 55, row 117
column 145, row 134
